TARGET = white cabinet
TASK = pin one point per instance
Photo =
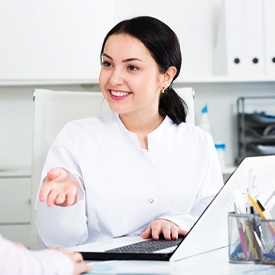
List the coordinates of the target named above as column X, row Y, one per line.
column 59, row 42
column 15, row 206
column 52, row 41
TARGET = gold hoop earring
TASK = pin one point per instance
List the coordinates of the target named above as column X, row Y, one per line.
column 163, row 90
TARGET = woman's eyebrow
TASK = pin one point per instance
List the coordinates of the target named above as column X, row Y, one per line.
column 131, row 59
column 104, row 54
column 125, row 60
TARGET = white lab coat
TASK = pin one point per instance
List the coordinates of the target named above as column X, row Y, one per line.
column 125, row 188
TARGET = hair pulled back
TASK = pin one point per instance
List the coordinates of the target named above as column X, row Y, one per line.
column 163, row 44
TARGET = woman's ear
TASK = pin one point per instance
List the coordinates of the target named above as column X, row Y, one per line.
column 169, row 75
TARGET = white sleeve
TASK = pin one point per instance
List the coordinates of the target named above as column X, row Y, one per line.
column 17, row 260
column 56, row 225
column 62, row 226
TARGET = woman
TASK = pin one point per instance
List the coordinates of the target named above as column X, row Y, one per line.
column 139, row 169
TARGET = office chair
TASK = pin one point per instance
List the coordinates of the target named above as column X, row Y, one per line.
column 52, row 109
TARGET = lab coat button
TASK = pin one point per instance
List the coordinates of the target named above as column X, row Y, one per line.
column 151, row 200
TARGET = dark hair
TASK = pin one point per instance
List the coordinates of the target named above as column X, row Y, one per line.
column 164, row 47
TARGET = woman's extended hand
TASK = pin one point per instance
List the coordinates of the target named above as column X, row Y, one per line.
column 169, row 230
column 58, row 188
column 78, row 263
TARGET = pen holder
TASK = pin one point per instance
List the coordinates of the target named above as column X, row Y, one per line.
column 242, row 244
column 266, row 233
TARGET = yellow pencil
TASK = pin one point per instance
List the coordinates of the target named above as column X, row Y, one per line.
column 262, row 214
column 255, row 204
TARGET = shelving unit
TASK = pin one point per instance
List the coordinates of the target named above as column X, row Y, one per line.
column 256, row 126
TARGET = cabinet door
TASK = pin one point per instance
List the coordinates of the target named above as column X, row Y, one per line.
column 52, row 41
column 15, row 199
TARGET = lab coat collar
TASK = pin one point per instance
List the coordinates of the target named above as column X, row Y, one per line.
column 155, row 138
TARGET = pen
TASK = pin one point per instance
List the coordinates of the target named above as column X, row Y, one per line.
column 260, row 244
column 260, row 233
column 241, row 234
column 267, row 215
column 255, row 204
column 261, row 212
column 249, row 230
column 236, row 251
column 248, row 225
column 269, row 255
column 239, row 201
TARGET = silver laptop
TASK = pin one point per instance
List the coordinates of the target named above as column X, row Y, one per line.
column 210, row 230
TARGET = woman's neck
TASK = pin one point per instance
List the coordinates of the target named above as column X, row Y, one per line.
column 142, row 126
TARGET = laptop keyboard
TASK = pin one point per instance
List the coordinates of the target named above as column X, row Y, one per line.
column 146, row 246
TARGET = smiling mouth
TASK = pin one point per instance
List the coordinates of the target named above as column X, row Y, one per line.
column 118, row 93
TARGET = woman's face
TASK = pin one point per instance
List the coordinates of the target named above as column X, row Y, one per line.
column 129, row 78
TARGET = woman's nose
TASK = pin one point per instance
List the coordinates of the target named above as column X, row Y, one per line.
column 116, row 77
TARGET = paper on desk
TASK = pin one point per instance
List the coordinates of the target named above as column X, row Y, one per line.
column 132, row 267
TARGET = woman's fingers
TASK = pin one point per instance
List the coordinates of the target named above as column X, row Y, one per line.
column 57, row 174
column 44, row 192
column 147, row 233
column 168, row 229
column 58, row 189
column 60, row 199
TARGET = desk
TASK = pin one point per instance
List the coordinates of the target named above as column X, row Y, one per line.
column 211, row 263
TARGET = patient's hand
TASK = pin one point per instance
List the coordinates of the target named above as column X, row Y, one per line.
column 78, row 263
column 168, row 229
column 58, row 188
column 19, row 245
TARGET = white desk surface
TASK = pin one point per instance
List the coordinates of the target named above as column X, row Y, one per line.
column 214, row 262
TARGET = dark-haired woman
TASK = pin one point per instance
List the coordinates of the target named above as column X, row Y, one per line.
column 138, row 169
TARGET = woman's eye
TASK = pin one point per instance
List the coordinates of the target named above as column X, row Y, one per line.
column 106, row 64
column 132, row 68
